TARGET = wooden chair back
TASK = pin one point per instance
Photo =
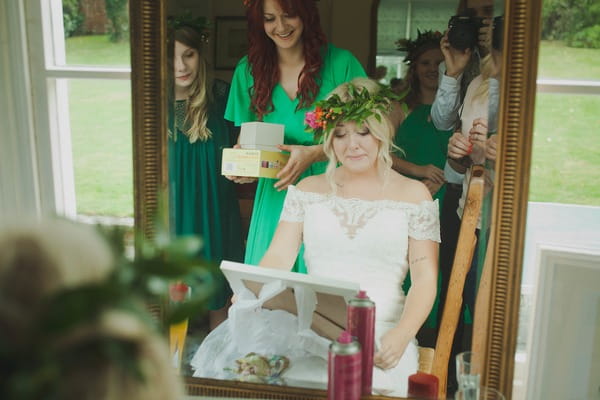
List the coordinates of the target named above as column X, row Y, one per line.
column 462, row 262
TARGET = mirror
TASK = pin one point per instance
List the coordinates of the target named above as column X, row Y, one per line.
column 149, row 84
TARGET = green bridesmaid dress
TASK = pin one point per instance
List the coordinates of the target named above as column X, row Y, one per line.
column 201, row 200
column 423, row 144
column 339, row 66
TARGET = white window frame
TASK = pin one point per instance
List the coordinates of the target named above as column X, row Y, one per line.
column 49, row 75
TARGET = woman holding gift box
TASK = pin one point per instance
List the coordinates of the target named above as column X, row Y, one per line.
column 289, row 66
column 202, row 202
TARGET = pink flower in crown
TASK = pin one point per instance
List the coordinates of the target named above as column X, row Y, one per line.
column 311, row 119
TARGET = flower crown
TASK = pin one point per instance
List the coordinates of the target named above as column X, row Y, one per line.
column 199, row 24
column 362, row 105
column 414, row 48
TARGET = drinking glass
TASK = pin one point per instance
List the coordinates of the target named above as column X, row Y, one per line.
column 480, row 393
column 468, row 370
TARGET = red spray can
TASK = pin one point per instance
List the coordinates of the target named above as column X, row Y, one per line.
column 344, row 369
column 361, row 324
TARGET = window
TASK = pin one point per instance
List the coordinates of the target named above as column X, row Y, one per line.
column 81, row 91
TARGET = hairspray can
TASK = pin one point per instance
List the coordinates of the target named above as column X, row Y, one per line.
column 361, row 324
column 344, row 369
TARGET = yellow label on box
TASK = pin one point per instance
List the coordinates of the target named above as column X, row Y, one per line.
column 252, row 163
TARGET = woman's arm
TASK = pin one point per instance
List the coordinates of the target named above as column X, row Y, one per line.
column 423, row 261
column 428, row 171
column 283, row 250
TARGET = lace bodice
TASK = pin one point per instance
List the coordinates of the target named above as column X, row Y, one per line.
column 361, row 240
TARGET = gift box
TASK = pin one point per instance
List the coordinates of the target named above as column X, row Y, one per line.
column 317, row 301
column 252, row 163
column 261, row 136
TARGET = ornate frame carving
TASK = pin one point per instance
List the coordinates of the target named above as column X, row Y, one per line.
column 149, row 79
column 521, row 38
column 148, row 84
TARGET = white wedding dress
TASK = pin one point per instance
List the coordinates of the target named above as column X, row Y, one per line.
column 345, row 239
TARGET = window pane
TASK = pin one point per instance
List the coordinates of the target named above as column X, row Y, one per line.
column 100, row 116
column 570, row 35
column 566, row 150
column 557, row 60
column 95, row 35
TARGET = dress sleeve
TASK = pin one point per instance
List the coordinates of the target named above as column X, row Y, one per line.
column 444, row 110
column 293, row 206
column 346, row 65
column 238, row 104
column 424, row 221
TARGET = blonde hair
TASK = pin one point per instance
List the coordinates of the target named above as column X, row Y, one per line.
column 487, row 65
column 200, row 94
column 379, row 126
column 41, row 259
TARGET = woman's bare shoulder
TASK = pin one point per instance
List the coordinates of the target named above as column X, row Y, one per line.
column 408, row 190
column 315, row 184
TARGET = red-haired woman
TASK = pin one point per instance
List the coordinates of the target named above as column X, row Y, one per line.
column 289, row 66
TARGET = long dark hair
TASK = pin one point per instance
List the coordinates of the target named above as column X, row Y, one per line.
column 262, row 54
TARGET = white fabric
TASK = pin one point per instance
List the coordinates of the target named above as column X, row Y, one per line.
column 352, row 239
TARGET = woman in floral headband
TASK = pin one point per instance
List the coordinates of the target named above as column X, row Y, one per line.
column 289, row 66
column 424, row 146
column 360, row 220
column 202, row 201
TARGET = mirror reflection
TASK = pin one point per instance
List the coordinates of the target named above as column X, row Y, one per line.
column 444, row 68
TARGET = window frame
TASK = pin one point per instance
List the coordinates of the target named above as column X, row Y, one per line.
column 50, row 97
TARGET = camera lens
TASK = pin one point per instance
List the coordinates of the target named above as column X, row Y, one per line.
column 463, row 31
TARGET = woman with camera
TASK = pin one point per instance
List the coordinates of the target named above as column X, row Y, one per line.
column 467, row 102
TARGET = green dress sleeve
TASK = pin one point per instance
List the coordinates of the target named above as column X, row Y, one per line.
column 238, row 104
column 348, row 66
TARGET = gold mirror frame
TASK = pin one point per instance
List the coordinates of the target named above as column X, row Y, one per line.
column 522, row 35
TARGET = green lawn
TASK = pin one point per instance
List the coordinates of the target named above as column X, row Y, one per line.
column 100, row 116
column 560, row 61
column 566, row 153
column 565, row 165
column 96, row 50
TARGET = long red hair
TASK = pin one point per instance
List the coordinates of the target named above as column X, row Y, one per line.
column 262, row 54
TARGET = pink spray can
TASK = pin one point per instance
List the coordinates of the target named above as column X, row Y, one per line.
column 344, row 369
column 361, row 324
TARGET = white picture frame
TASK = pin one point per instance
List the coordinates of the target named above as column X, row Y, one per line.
column 564, row 341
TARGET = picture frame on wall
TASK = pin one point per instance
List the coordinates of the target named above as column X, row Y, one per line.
column 231, row 41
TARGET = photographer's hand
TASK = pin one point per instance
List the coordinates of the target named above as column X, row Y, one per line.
column 456, row 60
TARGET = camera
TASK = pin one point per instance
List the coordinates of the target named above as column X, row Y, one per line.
column 463, row 31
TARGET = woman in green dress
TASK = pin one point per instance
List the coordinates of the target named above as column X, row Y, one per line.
column 202, row 201
column 289, row 66
column 424, row 146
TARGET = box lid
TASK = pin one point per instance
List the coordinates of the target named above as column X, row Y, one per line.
column 329, row 316
column 261, row 135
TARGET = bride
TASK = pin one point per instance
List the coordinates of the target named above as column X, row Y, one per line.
column 359, row 221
